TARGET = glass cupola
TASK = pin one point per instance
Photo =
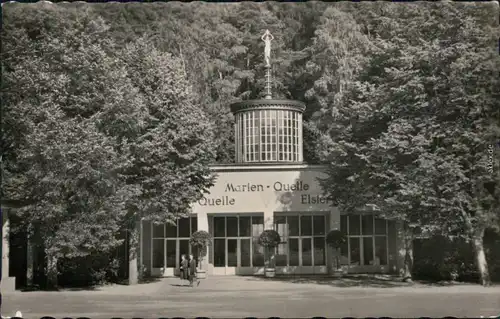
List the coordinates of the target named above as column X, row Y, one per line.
column 268, row 130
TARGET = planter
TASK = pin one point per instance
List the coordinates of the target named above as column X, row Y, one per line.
column 269, row 272
column 338, row 272
column 201, row 274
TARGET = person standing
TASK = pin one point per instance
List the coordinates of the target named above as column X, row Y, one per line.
column 192, row 271
column 184, row 269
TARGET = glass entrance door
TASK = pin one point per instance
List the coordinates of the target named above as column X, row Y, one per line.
column 169, row 242
column 174, row 249
column 171, row 256
column 232, row 252
column 184, row 249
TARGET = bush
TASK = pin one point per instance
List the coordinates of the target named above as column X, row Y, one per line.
column 491, row 247
column 269, row 238
column 439, row 258
column 200, row 240
column 88, row 271
column 336, row 238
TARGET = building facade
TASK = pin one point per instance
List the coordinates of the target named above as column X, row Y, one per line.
column 269, row 187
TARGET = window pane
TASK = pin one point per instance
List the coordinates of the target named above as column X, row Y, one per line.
column 171, row 230
column 232, row 226
column 245, row 252
column 219, row 226
column 158, row 253
column 184, row 247
column 354, row 224
column 280, row 227
column 241, row 136
column 219, row 252
column 194, row 224
column 368, row 250
column 258, row 254
column 319, row 225
column 381, row 250
column 367, row 225
column 355, row 252
column 281, row 254
column 232, row 252
column 319, row 251
column 184, row 230
column 344, row 250
column 293, row 225
column 257, row 225
column 159, row 230
column 306, row 225
column 380, row 226
column 293, row 251
column 245, row 226
column 171, row 253
column 343, row 224
column 306, row 252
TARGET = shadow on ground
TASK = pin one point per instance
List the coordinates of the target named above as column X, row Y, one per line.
column 90, row 288
column 143, row 281
column 37, row 288
column 149, row 280
column 374, row 281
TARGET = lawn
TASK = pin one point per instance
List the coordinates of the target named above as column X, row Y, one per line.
column 238, row 297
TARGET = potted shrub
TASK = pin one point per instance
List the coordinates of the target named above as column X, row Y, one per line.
column 269, row 239
column 335, row 239
column 199, row 241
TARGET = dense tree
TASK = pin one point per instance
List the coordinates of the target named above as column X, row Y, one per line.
column 55, row 157
column 98, row 136
column 412, row 139
column 171, row 144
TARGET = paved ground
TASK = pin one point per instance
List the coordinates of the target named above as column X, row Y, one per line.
column 239, row 297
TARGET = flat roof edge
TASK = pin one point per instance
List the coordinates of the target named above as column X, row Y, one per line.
column 265, row 167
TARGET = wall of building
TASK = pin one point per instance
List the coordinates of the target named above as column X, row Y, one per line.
column 268, row 190
column 271, row 192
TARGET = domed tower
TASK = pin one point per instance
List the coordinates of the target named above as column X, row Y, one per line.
column 268, row 130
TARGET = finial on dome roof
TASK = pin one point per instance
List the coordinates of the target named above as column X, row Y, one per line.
column 267, row 37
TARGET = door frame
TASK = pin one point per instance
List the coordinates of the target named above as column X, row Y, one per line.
column 170, row 271
column 231, row 270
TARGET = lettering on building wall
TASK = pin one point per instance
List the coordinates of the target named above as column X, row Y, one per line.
column 314, row 199
column 230, row 187
column 299, row 186
column 219, row 201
